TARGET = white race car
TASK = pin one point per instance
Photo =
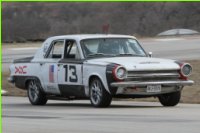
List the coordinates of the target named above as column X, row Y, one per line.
column 98, row 67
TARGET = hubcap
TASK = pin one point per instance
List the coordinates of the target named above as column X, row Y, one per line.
column 96, row 92
column 33, row 91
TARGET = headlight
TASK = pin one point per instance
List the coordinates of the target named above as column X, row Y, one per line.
column 119, row 73
column 186, row 70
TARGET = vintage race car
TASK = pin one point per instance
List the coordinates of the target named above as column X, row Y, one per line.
column 98, row 67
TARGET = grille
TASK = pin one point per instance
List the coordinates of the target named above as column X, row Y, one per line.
column 152, row 75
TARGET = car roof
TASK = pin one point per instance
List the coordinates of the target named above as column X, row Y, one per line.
column 90, row 36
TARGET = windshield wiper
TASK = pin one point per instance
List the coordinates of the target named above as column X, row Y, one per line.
column 99, row 54
column 125, row 54
column 96, row 54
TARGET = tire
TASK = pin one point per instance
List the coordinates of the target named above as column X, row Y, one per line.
column 35, row 95
column 170, row 99
column 99, row 97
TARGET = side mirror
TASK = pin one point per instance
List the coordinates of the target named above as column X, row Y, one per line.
column 150, row 54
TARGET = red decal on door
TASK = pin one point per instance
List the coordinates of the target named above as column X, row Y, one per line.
column 20, row 70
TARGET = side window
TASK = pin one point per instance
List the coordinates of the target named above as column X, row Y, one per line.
column 71, row 50
column 56, row 49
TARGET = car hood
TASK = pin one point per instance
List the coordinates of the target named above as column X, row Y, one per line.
column 137, row 63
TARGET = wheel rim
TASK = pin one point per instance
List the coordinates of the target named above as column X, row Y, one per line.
column 96, row 92
column 33, row 91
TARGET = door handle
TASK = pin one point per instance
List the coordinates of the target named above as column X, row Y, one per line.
column 41, row 64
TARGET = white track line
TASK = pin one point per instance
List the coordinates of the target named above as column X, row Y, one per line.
column 28, row 48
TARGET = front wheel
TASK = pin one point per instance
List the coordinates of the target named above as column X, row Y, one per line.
column 170, row 99
column 35, row 95
column 99, row 97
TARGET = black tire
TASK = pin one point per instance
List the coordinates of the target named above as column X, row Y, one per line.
column 170, row 99
column 35, row 95
column 99, row 97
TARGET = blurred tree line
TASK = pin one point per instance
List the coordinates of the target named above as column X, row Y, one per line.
column 35, row 21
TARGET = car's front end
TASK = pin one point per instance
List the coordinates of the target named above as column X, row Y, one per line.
column 150, row 81
column 131, row 73
column 155, row 78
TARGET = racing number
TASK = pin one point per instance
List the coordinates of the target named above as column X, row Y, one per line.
column 66, row 72
column 72, row 75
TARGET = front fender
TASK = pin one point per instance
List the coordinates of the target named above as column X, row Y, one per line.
column 99, row 71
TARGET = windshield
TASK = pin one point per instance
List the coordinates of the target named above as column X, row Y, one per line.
column 111, row 47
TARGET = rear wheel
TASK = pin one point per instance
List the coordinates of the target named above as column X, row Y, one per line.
column 170, row 99
column 35, row 95
column 99, row 97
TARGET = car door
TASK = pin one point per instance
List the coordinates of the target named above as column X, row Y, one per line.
column 49, row 66
column 70, row 77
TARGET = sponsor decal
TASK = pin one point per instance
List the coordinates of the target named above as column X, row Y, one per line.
column 20, row 70
column 51, row 73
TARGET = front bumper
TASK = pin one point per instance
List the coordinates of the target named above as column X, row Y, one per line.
column 143, row 84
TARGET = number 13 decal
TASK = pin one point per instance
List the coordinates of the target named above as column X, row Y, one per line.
column 70, row 73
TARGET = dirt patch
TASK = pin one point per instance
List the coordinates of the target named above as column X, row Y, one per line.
column 190, row 94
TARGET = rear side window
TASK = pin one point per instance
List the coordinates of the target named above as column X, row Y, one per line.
column 56, row 50
column 71, row 50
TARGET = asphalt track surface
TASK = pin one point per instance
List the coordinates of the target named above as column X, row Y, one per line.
column 80, row 117
column 181, row 48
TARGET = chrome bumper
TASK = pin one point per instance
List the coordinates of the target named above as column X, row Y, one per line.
column 143, row 84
